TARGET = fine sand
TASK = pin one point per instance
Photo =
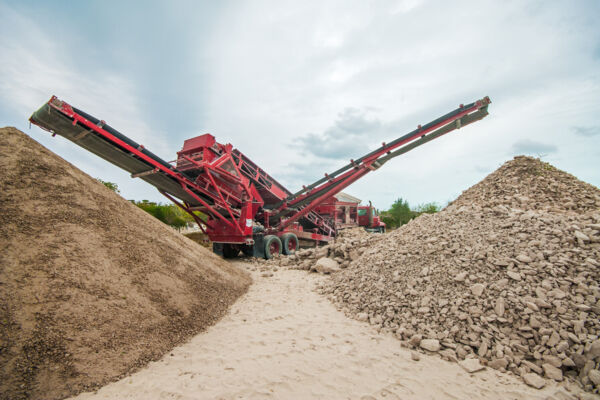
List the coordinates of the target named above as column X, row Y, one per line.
column 283, row 340
column 91, row 287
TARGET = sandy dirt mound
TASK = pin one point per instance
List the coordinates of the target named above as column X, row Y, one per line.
column 507, row 274
column 91, row 287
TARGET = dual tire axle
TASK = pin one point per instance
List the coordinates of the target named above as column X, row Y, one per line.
column 272, row 246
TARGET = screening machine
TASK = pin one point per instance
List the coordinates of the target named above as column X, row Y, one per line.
column 247, row 209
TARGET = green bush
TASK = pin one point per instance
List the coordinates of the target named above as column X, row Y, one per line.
column 170, row 214
column 400, row 213
column 427, row 208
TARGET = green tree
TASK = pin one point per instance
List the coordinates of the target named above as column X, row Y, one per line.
column 169, row 214
column 111, row 185
column 427, row 208
column 398, row 214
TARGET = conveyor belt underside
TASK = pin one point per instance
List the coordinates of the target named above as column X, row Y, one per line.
column 52, row 119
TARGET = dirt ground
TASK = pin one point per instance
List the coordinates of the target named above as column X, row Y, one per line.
column 283, row 340
column 91, row 287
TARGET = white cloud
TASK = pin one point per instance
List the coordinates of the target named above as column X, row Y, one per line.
column 36, row 65
column 341, row 76
column 283, row 70
column 587, row 130
column 531, row 147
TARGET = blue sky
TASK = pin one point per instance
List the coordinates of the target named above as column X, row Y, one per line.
column 302, row 87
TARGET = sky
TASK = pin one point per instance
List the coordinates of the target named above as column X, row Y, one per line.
column 303, row 87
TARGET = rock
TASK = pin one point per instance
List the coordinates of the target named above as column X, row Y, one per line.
column 499, row 363
column 471, row 365
column 415, row 340
column 499, row 307
column 534, row 380
column 582, row 236
column 579, row 360
column 568, row 362
column 542, row 303
column 514, row 275
column 594, row 351
column 554, row 339
column 321, row 252
column 363, row 317
column 594, row 376
column 552, row 372
column 501, row 283
column 415, row 356
column 448, row 354
column 482, row 351
column 557, row 294
column 432, row 345
column 460, row 277
column 533, row 367
column 306, row 265
column 562, row 346
column 524, row 258
column 532, row 306
column 552, row 360
column 589, row 365
column 573, row 338
column 326, row 265
column 534, row 323
column 477, row 289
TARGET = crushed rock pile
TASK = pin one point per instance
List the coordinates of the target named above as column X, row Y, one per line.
column 506, row 276
column 349, row 245
column 91, row 287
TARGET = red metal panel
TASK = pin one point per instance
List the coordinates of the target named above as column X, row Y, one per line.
column 197, row 143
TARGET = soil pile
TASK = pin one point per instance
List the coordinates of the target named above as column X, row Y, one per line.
column 91, row 287
column 507, row 274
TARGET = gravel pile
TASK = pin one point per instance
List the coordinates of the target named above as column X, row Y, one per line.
column 507, row 276
column 348, row 245
column 91, row 287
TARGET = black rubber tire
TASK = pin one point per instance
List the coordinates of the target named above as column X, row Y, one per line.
column 230, row 250
column 286, row 239
column 270, row 240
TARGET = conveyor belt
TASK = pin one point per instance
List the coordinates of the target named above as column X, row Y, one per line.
column 57, row 122
column 483, row 102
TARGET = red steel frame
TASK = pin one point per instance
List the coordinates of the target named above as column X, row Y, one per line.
column 236, row 229
column 235, row 198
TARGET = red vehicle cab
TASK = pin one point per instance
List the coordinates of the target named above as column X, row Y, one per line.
column 369, row 219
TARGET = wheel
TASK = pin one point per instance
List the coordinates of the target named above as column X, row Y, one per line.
column 272, row 246
column 230, row 250
column 290, row 243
